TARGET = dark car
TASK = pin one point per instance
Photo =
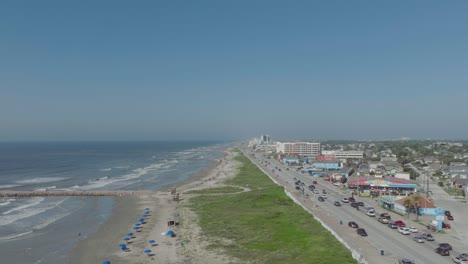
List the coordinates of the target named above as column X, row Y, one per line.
column 298, row 188
column 428, row 237
column 337, row 203
column 351, row 199
column 314, row 182
column 442, row 252
column 360, row 203
column 405, row 261
column 355, row 205
column 445, row 225
column 324, row 191
column 321, row 199
column 450, row 217
column 445, row 246
column 392, row 225
column 361, row 231
column 353, row 225
column 447, row 213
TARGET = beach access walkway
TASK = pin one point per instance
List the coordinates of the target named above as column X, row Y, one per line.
column 18, row 194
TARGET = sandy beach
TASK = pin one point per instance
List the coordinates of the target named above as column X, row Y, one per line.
column 188, row 246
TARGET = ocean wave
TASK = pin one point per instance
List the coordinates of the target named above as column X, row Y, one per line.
column 28, row 210
column 106, row 169
column 5, row 203
column 9, row 186
column 15, row 236
column 41, row 180
column 32, row 201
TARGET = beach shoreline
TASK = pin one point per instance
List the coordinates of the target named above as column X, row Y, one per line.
column 104, row 243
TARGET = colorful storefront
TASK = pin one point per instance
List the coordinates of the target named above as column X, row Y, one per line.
column 372, row 186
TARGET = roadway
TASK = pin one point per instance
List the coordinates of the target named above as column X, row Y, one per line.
column 380, row 237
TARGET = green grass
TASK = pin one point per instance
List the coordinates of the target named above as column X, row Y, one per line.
column 454, row 192
column 264, row 225
column 217, row 190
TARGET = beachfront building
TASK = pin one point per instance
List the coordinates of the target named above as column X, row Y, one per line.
column 381, row 186
column 298, row 148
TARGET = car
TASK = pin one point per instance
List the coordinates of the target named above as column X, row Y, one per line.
column 450, row 218
column 321, row 199
column 413, row 229
column 464, row 255
column 385, row 215
column 310, row 187
column 419, row 239
column 392, row 225
column 298, row 188
column 442, row 252
column 355, row 205
column 445, row 225
column 345, row 200
column 405, row 261
column 383, row 220
column 361, row 231
column 400, row 223
column 445, row 246
column 351, row 199
column 370, row 213
column 337, row 203
column 297, row 183
column 324, row 196
column 404, row 230
column 360, row 203
column 447, row 213
column 324, row 191
column 460, row 260
column 337, row 183
column 353, row 224
column 315, row 191
column 314, row 182
column 428, row 237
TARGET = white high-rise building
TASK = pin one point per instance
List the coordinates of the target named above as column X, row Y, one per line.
column 298, row 148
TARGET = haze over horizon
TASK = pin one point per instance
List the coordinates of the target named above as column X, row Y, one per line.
column 228, row 70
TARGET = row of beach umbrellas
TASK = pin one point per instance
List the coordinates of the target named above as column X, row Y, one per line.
column 131, row 235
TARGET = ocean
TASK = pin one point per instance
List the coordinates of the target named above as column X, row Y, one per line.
column 37, row 229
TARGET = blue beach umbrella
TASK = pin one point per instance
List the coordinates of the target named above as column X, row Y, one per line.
column 106, row 262
column 137, row 224
column 141, row 220
column 126, row 239
column 122, row 245
column 146, row 209
column 135, row 228
column 147, row 251
column 151, row 241
column 130, row 234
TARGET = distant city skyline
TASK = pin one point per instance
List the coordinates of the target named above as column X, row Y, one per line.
column 231, row 70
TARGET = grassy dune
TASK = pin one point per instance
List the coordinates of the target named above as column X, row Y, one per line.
column 263, row 225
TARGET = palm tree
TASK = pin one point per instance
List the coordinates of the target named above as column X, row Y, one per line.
column 416, row 200
column 407, row 204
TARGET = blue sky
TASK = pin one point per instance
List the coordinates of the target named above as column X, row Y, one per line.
column 126, row 70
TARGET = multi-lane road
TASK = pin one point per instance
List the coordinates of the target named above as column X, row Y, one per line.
column 380, row 237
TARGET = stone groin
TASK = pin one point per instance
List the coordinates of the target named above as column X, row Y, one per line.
column 19, row 194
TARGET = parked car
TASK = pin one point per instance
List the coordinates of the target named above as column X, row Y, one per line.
column 361, row 231
column 345, row 200
column 460, row 260
column 370, row 213
column 445, row 225
column 413, row 229
column 321, row 199
column 298, row 188
column 450, row 217
column 404, row 230
column 315, row 191
column 354, row 205
column 324, row 191
column 351, row 199
column 392, row 225
column 400, row 223
column 360, row 203
column 419, row 239
column 405, row 261
column 353, row 225
column 383, row 220
column 314, row 182
column 385, row 215
column 446, row 246
column 337, row 183
column 428, row 237
column 442, row 252
column 337, row 203
column 324, row 196
column 447, row 213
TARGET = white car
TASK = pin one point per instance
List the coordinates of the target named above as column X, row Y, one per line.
column 315, row 191
column 337, row 183
column 413, row 229
column 419, row 239
column 460, row 260
column 370, row 213
column 344, row 200
column 324, row 196
column 404, row 230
